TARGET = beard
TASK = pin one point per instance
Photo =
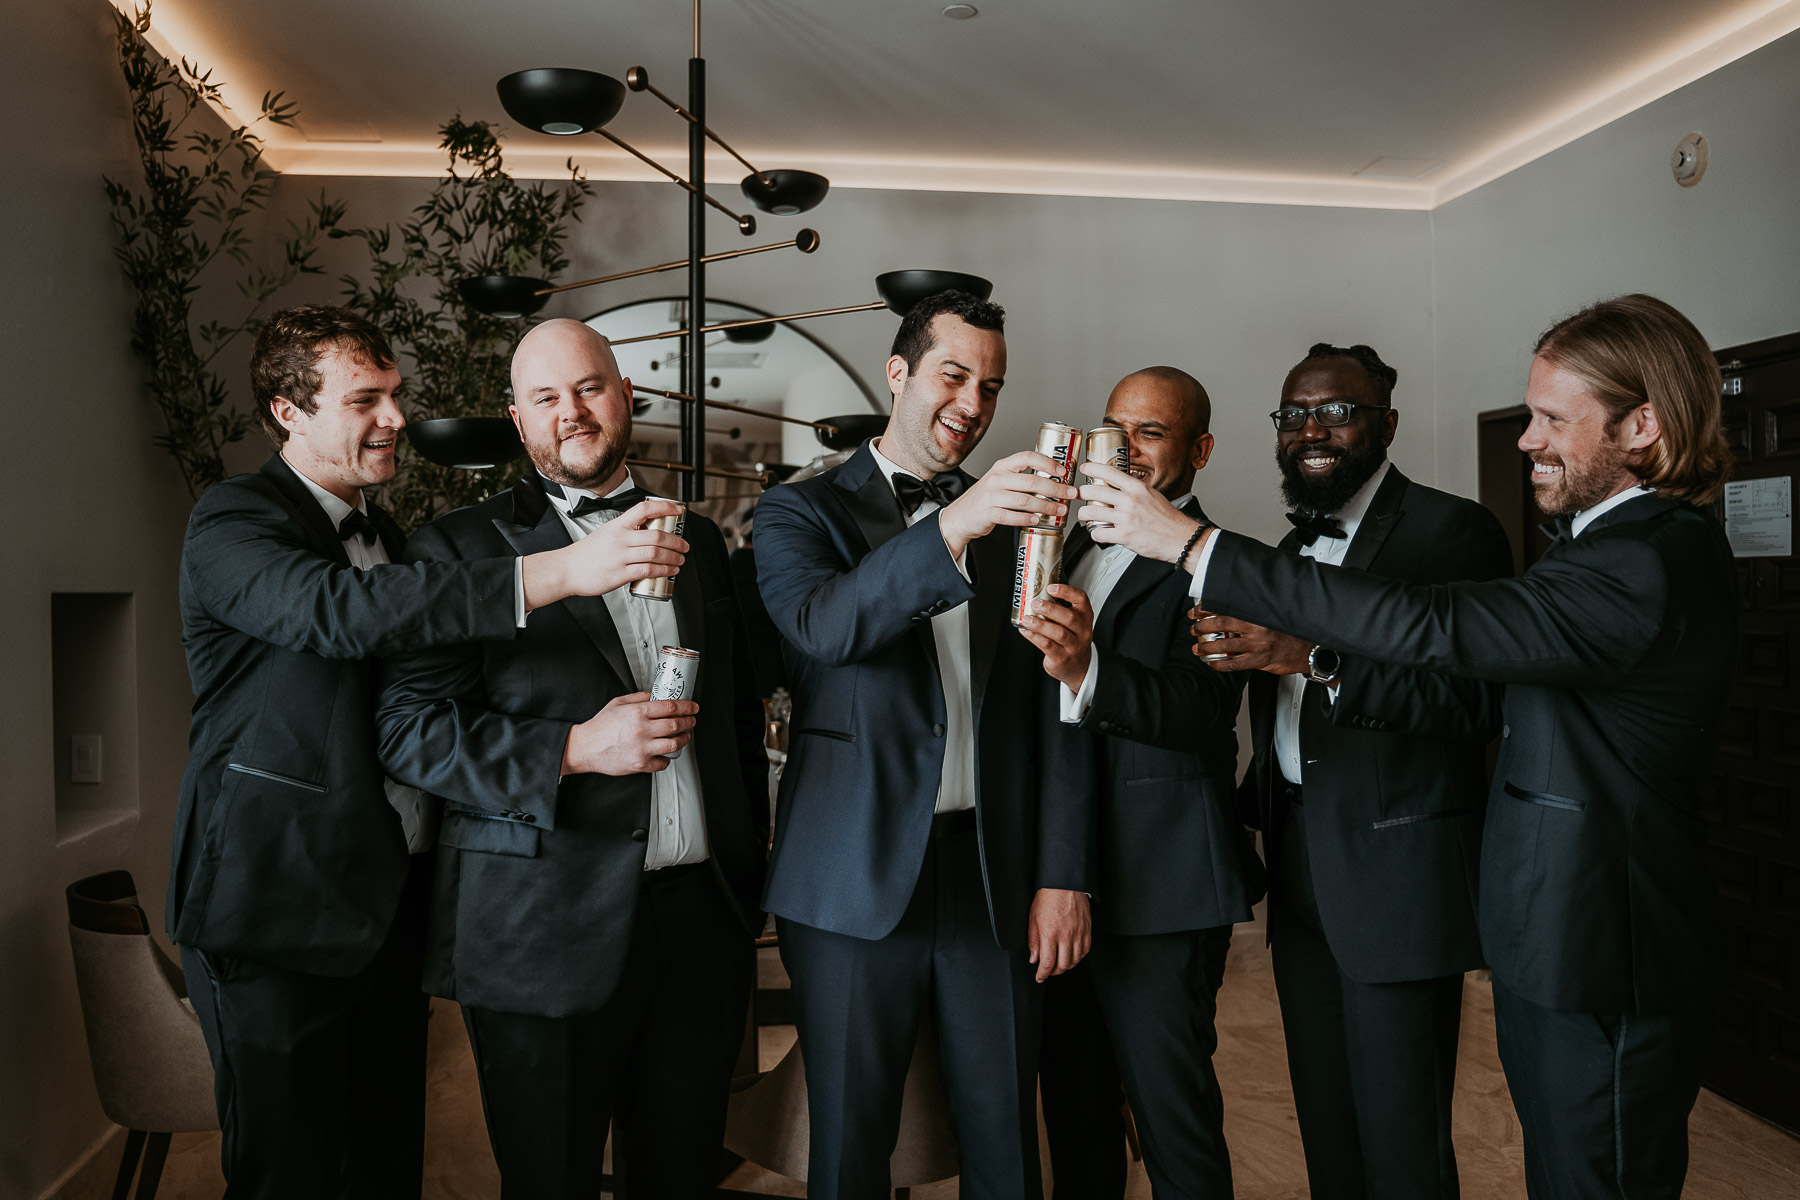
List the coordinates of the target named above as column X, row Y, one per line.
column 583, row 465
column 1581, row 485
column 1326, row 494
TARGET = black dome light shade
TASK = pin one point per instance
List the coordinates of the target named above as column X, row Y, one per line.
column 509, row 296
column 903, row 289
column 785, row 193
column 851, row 431
column 561, row 100
column 749, row 335
column 471, row 443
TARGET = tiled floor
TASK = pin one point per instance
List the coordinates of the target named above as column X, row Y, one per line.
column 1735, row 1156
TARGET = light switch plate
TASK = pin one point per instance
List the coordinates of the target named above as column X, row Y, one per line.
column 84, row 758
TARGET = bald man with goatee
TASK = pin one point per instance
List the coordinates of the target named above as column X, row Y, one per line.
column 602, row 853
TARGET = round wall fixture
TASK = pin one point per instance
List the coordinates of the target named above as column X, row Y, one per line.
column 960, row 12
column 1689, row 160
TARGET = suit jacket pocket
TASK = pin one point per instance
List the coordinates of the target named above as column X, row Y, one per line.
column 1544, row 798
column 1150, row 780
column 258, row 772
column 834, row 734
column 464, row 830
column 1415, row 818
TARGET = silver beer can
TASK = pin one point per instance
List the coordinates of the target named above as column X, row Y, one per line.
column 1108, row 444
column 1061, row 444
column 1037, row 563
column 663, row 586
column 677, row 671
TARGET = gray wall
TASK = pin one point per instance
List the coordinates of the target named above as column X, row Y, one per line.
column 93, row 507
column 1603, row 216
column 1095, row 288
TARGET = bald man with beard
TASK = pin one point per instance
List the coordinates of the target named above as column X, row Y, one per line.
column 602, row 853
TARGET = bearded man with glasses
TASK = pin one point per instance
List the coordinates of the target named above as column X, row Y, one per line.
column 1368, row 784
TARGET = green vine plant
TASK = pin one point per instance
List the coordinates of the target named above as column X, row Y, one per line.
column 187, row 210
column 478, row 220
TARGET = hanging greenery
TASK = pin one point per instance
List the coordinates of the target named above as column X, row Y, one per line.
column 188, row 208
column 478, row 220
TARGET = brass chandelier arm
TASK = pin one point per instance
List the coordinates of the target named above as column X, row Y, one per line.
column 737, row 408
column 626, row 146
column 821, row 312
column 675, row 466
column 638, row 79
column 805, row 238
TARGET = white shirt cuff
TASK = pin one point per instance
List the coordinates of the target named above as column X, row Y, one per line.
column 519, row 592
column 1195, row 588
column 1076, row 704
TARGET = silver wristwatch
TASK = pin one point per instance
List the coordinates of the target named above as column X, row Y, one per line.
column 1323, row 664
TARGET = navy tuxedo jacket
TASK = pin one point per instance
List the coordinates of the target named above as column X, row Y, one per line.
column 1616, row 651
column 286, row 849
column 853, row 591
column 1171, row 851
column 538, row 874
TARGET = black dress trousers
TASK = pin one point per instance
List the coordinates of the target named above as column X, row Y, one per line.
column 858, row 1004
column 1373, row 1064
column 656, row 1058
column 320, row 1080
column 1603, row 1098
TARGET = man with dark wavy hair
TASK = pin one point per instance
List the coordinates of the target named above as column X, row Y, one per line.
column 1615, row 649
column 931, row 847
column 292, row 894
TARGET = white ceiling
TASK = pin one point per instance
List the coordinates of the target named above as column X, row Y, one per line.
column 1279, row 101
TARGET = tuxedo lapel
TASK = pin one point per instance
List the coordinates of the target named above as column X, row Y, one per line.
column 869, row 498
column 324, row 533
column 1383, row 515
column 1139, row 577
column 534, row 527
column 392, row 540
column 991, row 566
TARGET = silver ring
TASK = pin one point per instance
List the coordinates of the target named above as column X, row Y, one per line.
column 1215, row 636
column 1214, row 657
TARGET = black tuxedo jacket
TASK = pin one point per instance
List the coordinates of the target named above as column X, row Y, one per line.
column 538, row 875
column 1172, row 853
column 1396, row 770
column 853, row 590
column 1616, row 651
column 286, row 849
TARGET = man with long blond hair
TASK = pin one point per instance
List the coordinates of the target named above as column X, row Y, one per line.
column 1616, row 648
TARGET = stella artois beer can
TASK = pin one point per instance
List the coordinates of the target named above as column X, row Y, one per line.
column 1037, row 563
column 1108, row 444
column 663, row 586
column 677, row 670
column 1061, row 444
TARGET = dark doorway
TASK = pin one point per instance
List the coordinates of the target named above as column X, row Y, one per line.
column 1504, row 482
column 1753, row 828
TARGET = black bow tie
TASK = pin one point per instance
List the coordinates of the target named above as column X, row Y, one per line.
column 615, row 504
column 1560, row 529
column 357, row 524
column 1310, row 527
column 912, row 491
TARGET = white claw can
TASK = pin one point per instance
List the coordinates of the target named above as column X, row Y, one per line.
column 663, row 586
column 677, row 670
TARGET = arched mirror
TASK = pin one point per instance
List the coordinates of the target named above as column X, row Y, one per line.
column 776, row 368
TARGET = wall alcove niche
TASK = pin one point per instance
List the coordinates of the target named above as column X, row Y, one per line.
column 94, row 718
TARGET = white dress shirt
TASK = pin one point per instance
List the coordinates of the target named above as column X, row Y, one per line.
column 1290, row 690
column 417, row 817
column 677, row 820
column 1586, row 516
column 1097, row 574
column 950, row 634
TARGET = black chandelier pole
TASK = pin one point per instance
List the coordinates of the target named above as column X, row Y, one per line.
column 693, row 416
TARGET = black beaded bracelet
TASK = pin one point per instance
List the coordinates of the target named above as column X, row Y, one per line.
column 1192, row 538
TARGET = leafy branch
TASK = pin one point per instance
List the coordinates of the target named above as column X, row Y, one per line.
column 478, row 220
column 185, row 211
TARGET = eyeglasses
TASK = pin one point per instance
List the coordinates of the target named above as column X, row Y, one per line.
column 1337, row 412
